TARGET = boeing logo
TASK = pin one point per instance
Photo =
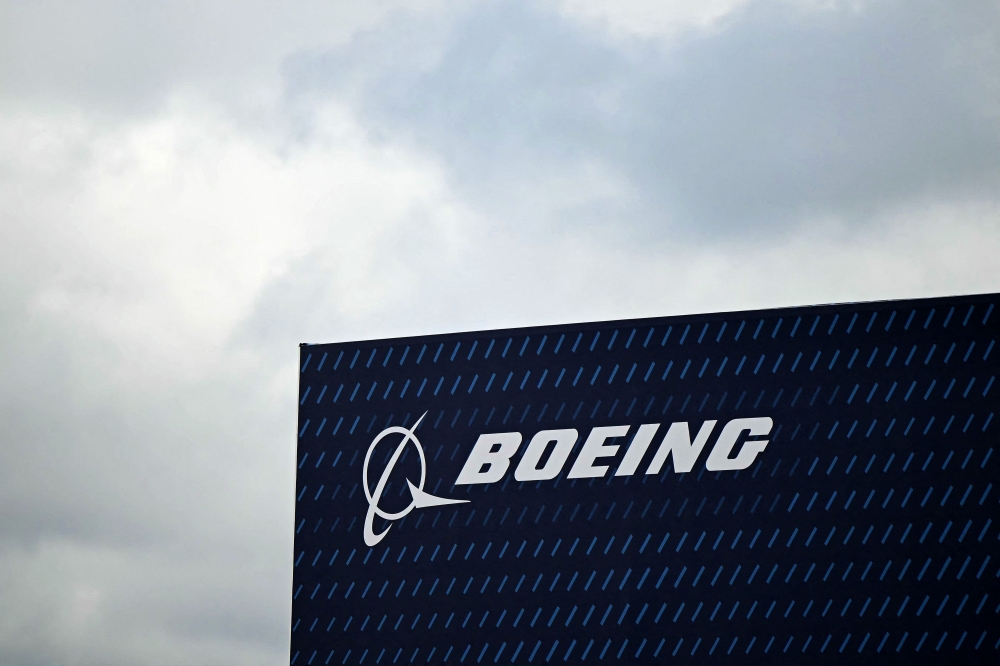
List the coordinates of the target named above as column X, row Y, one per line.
column 490, row 458
column 420, row 499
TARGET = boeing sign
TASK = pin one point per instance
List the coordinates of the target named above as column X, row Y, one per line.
column 811, row 483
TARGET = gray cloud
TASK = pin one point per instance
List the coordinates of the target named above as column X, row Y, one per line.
column 775, row 115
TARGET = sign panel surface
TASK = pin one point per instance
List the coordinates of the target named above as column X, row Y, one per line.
column 811, row 482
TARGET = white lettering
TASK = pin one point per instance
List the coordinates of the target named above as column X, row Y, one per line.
column 492, row 451
column 637, row 449
column 719, row 458
column 595, row 448
column 490, row 459
column 528, row 470
column 678, row 441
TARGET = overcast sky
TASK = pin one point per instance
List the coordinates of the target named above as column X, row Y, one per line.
column 190, row 189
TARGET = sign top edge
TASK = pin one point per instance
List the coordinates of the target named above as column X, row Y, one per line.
column 669, row 319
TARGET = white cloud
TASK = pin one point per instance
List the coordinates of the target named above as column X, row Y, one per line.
column 147, row 457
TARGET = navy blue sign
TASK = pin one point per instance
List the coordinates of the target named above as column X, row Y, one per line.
column 801, row 484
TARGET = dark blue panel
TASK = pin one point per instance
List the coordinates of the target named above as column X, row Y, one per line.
column 865, row 531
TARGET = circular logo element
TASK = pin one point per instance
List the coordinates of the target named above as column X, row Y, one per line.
column 420, row 498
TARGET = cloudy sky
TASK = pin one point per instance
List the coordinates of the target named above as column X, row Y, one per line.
column 190, row 189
